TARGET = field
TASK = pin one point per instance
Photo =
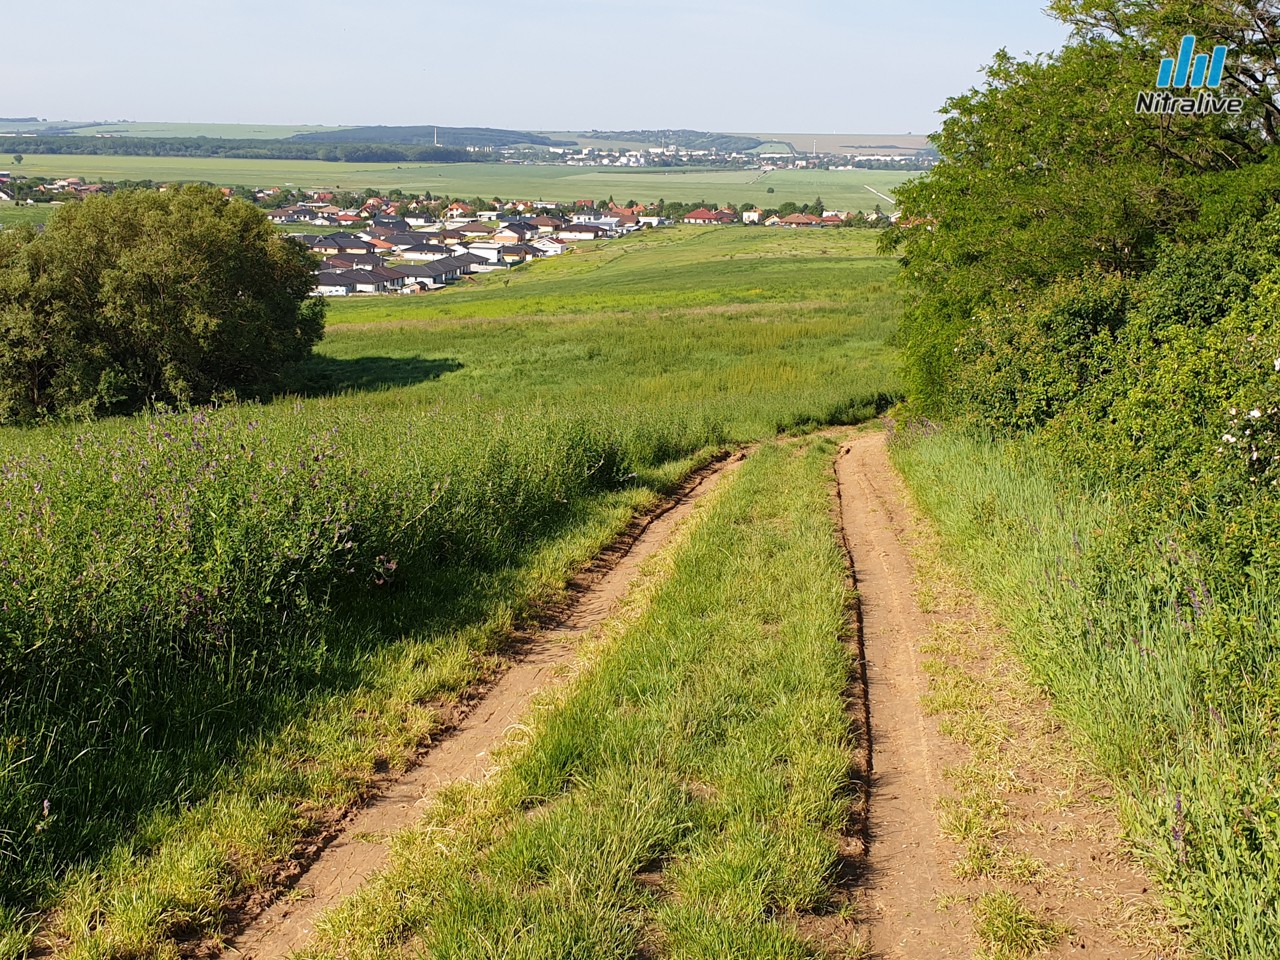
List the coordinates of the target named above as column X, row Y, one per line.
column 11, row 214
column 353, row 558
column 839, row 189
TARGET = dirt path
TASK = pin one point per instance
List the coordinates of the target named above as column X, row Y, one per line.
column 975, row 793
column 360, row 849
column 906, row 867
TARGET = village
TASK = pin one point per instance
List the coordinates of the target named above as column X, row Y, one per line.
column 392, row 248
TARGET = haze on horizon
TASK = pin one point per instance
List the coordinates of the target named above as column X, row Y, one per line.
column 723, row 65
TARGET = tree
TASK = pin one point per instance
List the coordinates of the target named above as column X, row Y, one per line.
column 17, row 159
column 144, row 296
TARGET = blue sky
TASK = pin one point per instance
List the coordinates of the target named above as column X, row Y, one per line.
column 817, row 66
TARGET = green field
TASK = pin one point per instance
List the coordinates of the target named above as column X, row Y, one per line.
column 11, row 213
column 354, row 555
column 839, row 189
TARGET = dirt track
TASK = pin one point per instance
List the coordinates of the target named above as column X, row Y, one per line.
column 906, row 867
column 916, row 899
column 360, row 849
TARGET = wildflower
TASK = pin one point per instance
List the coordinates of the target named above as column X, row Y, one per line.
column 1228, row 438
column 1277, row 364
column 1255, row 413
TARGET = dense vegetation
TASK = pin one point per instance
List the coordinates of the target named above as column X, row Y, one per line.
column 1102, row 286
column 219, row 625
column 328, row 147
column 146, row 297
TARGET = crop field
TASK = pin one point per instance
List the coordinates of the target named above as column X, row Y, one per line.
column 11, row 213
column 351, row 556
column 839, row 189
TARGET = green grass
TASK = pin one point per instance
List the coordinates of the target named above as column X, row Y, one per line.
column 1010, row 931
column 221, row 624
column 687, row 791
column 14, row 214
column 1168, row 680
column 839, row 189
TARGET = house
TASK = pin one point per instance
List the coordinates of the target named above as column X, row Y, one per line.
column 419, row 219
column 393, row 277
column 458, row 209
column 801, row 220
column 340, row 243
column 333, row 283
column 471, row 231
column 353, row 261
column 752, row 216
column 546, row 225
column 518, row 253
column 518, row 232
column 550, row 246
column 582, row 231
column 424, row 252
column 709, row 217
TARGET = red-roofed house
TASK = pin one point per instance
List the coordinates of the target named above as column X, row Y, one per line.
column 704, row 216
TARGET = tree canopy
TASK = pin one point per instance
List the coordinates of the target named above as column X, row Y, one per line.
column 176, row 296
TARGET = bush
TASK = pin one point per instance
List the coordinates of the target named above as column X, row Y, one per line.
column 146, row 296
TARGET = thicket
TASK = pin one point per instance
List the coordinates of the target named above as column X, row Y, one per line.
column 144, row 297
column 1104, row 286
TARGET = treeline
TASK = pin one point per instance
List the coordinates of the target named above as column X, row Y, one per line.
column 423, row 135
column 1103, row 286
column 291, row 149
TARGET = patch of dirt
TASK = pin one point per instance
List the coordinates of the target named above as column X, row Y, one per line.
column 906, row 875
column 347, row 855
column 959, row 737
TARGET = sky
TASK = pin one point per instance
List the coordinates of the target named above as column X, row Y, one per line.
column 795, row 66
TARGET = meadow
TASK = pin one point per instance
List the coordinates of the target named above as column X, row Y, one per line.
column 222, row 626
column 839, row 189
column 13, row 214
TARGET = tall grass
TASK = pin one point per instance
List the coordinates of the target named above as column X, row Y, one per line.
column 152, row 566
column 1166, row 670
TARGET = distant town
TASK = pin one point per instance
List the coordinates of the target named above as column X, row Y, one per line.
column 396, row 243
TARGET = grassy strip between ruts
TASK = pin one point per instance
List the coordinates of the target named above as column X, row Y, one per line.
column 684, row 795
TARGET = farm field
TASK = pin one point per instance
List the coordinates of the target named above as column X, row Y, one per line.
column 449, row 461
column 840, row 189
column 12, row 214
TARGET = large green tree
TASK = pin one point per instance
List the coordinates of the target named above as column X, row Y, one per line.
column 1047, row 172
column 146, row 296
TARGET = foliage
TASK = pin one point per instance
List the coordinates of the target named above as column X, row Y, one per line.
column 142, row 297
column 335, row 147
